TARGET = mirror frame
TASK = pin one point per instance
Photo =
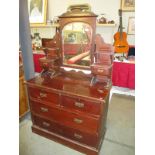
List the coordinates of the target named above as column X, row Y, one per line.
column 78, row 15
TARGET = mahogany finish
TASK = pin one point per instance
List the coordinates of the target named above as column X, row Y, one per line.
column 81, row 105
column 47, row 42
column 99, row 69
column 69, row 107
column 68, row 102
column 66, row 117
column 105, row 58
column 102, row 66
column 67, row 141
column 75, row 134
column 43, row 95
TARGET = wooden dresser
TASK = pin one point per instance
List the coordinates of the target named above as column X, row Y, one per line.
column 68, row 110
column 69, row 99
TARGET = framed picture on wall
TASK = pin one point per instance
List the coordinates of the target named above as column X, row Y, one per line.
column 128, row 5
column 37, row 12
column 131, row 26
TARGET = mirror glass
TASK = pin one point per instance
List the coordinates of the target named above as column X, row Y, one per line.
column 76, row 44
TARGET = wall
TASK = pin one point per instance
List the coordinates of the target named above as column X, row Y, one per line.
column 108, row 7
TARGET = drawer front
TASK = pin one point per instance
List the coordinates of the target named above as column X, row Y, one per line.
column 68, row 132
column 43, row 95
column 86, row 138
column 74, row 120
column 101, row 70
column 81, row 105
column 48, row 125
column 52, row 53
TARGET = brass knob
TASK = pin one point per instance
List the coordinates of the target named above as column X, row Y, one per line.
column 78, row 136
column 43, row 94
column 79, row 104
column 46, row 124
column 100, row 70
column 100, row 90
column 78, row 121
column 44, row 109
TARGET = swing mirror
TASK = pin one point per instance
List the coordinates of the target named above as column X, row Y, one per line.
column 76, row 44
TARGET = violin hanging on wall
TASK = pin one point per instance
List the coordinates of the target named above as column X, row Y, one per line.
column 120, row 38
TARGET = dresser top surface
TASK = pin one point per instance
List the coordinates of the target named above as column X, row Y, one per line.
column 72, row 85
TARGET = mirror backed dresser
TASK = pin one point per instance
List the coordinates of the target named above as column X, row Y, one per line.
column 69, row 99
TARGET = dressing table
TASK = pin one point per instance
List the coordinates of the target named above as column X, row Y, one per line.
column 69, row 100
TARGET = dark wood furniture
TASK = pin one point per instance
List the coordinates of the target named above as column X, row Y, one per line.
column 23, row 99
column 67, row 106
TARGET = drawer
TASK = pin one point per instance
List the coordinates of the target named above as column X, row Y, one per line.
column 84, row 122
column 51, row 52
column 68, row 132
column 103, row 70
column 48, row 125
column 43, row 95
column 81, row 105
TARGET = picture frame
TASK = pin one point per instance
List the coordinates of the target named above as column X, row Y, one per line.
column 37, row 10
column 128, row 5
column 131, row 26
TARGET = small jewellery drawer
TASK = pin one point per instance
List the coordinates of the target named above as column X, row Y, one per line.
column 84, row 122
column 68, row 132
column 103, row 70
column 43, row 95
column 51, row 52
column 81, row 105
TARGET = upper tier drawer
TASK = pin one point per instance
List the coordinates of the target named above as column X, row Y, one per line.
column 81, row 105
column 83, row 122
column 43, row 95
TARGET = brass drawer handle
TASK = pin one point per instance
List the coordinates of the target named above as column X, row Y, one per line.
column 78, row 136
column 100, row 90
column 79, row 104
column 100, row 70
column 46, row 124
column 44, row 109
column 43, row 94
column 78, row 121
